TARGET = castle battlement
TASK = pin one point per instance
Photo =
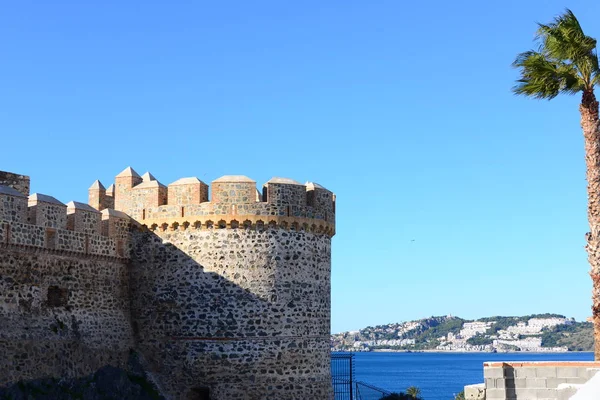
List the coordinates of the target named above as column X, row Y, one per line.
column 41, row 221
column 222, row 290
column 235, row 202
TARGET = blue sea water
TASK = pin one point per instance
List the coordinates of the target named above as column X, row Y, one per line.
column 439, row 375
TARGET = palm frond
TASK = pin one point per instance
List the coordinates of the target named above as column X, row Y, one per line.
column 569, row 79
column 544, row 78
column 564, row 38
column 595, row 68
column 565, row 61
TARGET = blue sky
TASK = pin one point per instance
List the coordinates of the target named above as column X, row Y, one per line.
column 403, row 109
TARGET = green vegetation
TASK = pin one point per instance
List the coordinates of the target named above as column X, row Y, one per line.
column 433, row 328
column 460, row 396
column 412, row 393
column 430, row 329
column 427, row 333
column 396, row 348
column 479, row 340
column 510, row 347
column 576, row 337
column 396, row 396
column 502, row 323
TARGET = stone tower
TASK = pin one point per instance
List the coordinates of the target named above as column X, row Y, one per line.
column 231, row 297
column 222, row 299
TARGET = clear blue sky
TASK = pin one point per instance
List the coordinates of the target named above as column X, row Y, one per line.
column 403, row 109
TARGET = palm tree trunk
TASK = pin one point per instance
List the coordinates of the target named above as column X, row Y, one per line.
column 591, row 135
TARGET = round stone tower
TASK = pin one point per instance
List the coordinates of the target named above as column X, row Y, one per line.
column 231, row 297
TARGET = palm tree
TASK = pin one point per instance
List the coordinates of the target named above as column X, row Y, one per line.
column 566, row 62
column 413, row 392
column 397, row 396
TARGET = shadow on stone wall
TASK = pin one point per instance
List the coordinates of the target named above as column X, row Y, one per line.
column 107, row 383
column 239, row 314
column 240, row 327
column 61, row 315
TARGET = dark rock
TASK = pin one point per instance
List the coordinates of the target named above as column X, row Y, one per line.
column 108, row 383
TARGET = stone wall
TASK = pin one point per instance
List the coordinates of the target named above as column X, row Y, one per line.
column 231, row 195
column 282, row 192
column 531, row 380
column 231, row 295
column 83, row 218
column 15, row 181
column 39, row 238
column 214, row 212
column 188, row 191
column 13, row 205
column 235, row 189
column 47, row 211
column 243, row 312
column 61, row 314
column 144, row 195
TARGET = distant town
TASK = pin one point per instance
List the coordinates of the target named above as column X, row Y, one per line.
column 532, row 333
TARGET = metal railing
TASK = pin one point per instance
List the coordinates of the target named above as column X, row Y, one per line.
column 342, row 376
column 345, row 386
column 365, row 391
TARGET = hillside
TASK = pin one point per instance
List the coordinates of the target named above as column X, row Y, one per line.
column 534, row 333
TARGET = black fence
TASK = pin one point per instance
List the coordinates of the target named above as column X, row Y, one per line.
column 345, row 386
column 342, row 376
column 365, row 391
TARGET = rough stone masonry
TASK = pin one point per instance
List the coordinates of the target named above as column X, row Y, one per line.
column 223, row 299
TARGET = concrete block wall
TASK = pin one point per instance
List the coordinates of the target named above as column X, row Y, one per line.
column 533, row 380
column 475, row 392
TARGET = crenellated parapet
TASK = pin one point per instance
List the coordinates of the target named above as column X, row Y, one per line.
column 188, row 191
column 46, row 211
column 43, row 222
column 13, row 205
column 20, row 183
column 234, row 202
column 83, row 218
column 221, row 289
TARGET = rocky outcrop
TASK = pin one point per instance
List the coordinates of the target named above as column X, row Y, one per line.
column 107, row 383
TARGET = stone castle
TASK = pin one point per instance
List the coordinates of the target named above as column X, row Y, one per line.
column 222, row 299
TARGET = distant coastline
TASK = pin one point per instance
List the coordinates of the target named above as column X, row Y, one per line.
column 538, row 333
column 470, row 352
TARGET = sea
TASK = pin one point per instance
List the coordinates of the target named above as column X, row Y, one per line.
column 439, row 376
